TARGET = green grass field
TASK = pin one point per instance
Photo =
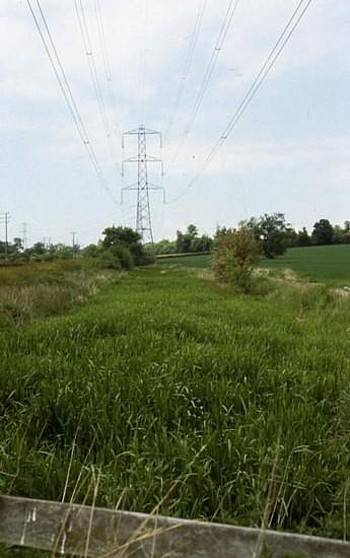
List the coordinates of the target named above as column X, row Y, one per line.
column 317, row 263
column 197, row 260
column 164, row 387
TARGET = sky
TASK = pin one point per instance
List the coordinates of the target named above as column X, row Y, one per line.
column 288, row 153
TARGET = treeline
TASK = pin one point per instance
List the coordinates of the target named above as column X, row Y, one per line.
column 272, row 231
column 40, row 251
column 185, row 242
column 120, row 248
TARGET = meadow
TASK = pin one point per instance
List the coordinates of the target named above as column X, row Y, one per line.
column 162, row 388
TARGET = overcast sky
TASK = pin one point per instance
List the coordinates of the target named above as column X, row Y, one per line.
column 289, row 152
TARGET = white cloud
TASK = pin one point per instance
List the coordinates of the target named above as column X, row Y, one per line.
column 34, row 105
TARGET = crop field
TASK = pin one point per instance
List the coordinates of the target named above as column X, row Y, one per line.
column 163, row 389
column 317, row 263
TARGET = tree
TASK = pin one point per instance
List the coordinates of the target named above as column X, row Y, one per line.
column 185, row 242
column 323, row 232
column 191, row 242
column 12, row 249
column 339, row 235
column 125, row 238
column 91, row 251
column 120, row 235
column 206, row 243
column 182, row 244
column 62, row 251
column 272, row 231
column 164, row 247
column 38, row 249
column 291, row 237
column 304, row 237
column 235, row 253
column 202, row 244
column 117, row 256
column 17, row 244
column 347, row 232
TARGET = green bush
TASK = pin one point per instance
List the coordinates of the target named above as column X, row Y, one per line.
column 235, row 253
column 117, row 257
column 109, row 260
column 147, row 258
column 121, row 238
column 124, row 256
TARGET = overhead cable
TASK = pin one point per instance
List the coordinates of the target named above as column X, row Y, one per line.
column 66, row 91
column 106, row 61
column 188, row 63
column 267, row 66
column 90, row 56
column 219, row 43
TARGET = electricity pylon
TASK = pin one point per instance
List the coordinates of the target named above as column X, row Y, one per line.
column 142, row 159
column 4, row 220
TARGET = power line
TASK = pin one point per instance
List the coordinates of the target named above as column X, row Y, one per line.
column 226, row 24
column 188, row 63
column 106, row 59
column 66, row 91
column 102, row 35
column 87, row 44
column 143, row 70
column 270, row 61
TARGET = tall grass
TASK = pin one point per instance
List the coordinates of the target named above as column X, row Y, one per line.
column 44, row 289
column 165, row 378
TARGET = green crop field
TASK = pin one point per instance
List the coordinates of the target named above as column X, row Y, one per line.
column 318, row 263
column 160, row 387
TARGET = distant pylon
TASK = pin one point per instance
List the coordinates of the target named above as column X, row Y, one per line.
column 24, row 236
column 4, row 220
column 143, row 210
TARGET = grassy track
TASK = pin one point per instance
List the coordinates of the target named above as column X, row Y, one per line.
column 164, row 384
column 318, row 263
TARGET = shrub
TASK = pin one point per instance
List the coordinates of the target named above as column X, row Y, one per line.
column 124, row 256
column 235, row 254
column 122, row 238
column 117, row 257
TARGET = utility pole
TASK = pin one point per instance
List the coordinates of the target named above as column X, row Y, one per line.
column 4, row 220
column 142, row 159
column 24, row 236
column 47, row 242
column 74, row 243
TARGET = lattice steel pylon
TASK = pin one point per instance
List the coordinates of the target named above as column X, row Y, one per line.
column 142, row 159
